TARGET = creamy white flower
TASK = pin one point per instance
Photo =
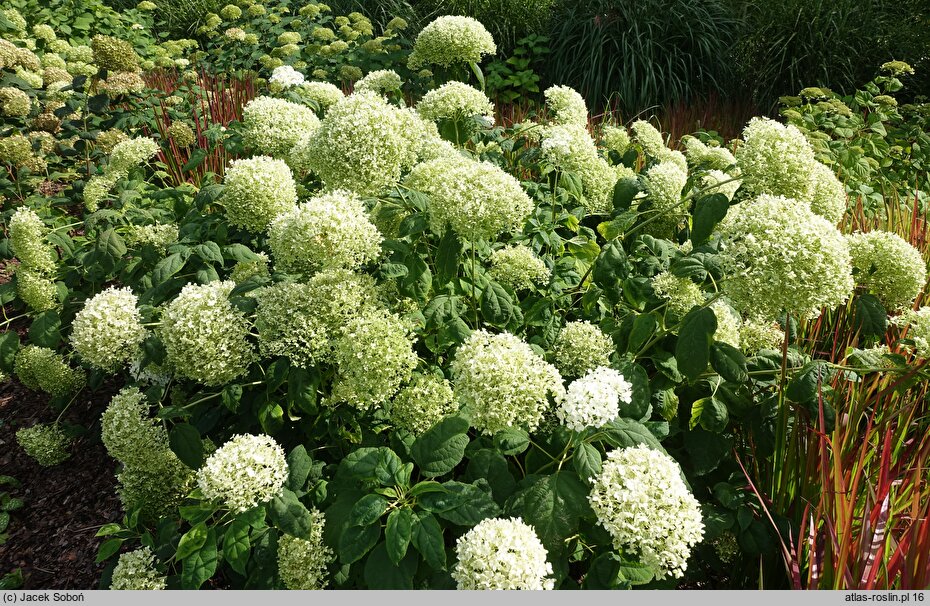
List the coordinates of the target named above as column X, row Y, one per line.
column 501, row 554
column 244, row 472
column 594, row 399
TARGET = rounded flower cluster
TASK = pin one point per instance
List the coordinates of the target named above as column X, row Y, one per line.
column 477, row 199
column 718, row 182
column 35, row 290
column 729, row 323
column 783, row 257
column 301, row 321
column 182, row 134
column 363, row 144
column 499, row 554
column 230, row 12
column 121, row 83
column 649, row 138
column 331, row 230
column 450, row 40
column 828, row 195
column 27, row 239
column 570, row 148
column 47, row 444
column 323, row 94
column 776, row 159
column 374, row 356
column 380, row 81
column 681, row 293
column 158, row 235
column 504, row 381
column 888, row 266
column 918, row 329
column 423, row 403
column 302, row 562
column 244, row 472
column 113, row 54
column 456, row 101
column 274, row 127
column 14, row 102
column 580, row 347
column 594, row 399
column 98, row 189
column 644, row 504
column 286, row 76
column 129, row 433
column 205, row 337
column 108, row 139
column 615, row 139
column 131, row 153
column 136, row 571
column 566, row 106
column 108, row 330
column 665, row 181
column 43, row 369
column 518, row 267
column 257, row 190
column 756, row 335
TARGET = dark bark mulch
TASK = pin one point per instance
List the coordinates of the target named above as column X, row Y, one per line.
column 52, row 537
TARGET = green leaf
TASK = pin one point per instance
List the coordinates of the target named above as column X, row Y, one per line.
column 209, row 252
column 371, row 464
column 200, row 565
column 624, row 192
column 491, row 466
column 729, row 362
column 390, row 271
column 167, row 267
column 111, row 243
column 288, row 514
column 397, row 533
column 636, row 573
column 426, row 537
column 625, row 433
column 553, row 506
column 191, row 541
column 240, row 252
column 710, row 413
column 587, row 461
column 496, row 304
column 642, row 394
column 381, row 572
column 299, row 465
column 197, row 158
column 870, row 317
column 302, row 387
column 108, row 529
column 806, row 384
column 708, row 212
column 462, row 504
column 230, row 397
column 442, row 447
column 46, row 329
column 9, row 346
column 692, row 351
column 512, row 441
column 644, row 326
column 107, row 549
column 97, row 104
column 236, row 545
column 426, row 487
column 447, row 257
column 185, row 442
column 611, row 269
column 367, row 510
column 356, row 541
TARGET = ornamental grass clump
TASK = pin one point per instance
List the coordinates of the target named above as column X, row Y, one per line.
column 450, row 41
column 580, row 347
column 47, row 444
column 781, row 257
column 477, row 199
column 329, row 231
column 641, row 500
column 501, row 553
column 108, row 330
column 135, row 571
column 506, row 384
column 246, row 471
column 275, row 127
column 594, row 399
column 888, row 267
column 257, row 190
column 205, row 337
column 303, row 562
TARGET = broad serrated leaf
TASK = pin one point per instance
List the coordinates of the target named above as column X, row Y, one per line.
column 729, row 362
column 512, row 441
column 381, row 572
column 200, row 566
column 426, row 536
column 45, row 330
column 496, row 304
column 692, row 351
column 185, row 442
column 236, row 545
column 710, row 413
column 442, row 447
column 870, row 317
column 397, row 533
column 553, row 506
column 447, row 257
column 708, row 212
column 587, row 461
column 191, row 541
column 288, row 514
column 299, row 465
column 356, row 541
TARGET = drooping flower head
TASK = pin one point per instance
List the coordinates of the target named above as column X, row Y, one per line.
column 783, row 258
column 27, row 239
column 504, row 381
column 108, row 330
column 205, row 337
column 40, row 368
column 451, row 40
column 131, row 153
column 501, row 553
column 136, row 571
column 244, row 472
column 640, row 498
column 302, row 561
column 257, row 190
column 47, row 444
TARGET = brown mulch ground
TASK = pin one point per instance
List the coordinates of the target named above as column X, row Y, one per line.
column 52, row 537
